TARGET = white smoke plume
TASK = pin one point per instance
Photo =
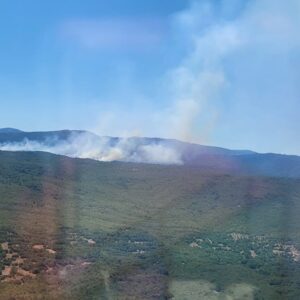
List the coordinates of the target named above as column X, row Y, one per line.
column 200, row 77
column 259, row 38
column 87, row 145
column 235, row 61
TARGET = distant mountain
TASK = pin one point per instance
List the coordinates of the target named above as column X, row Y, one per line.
column 9, row 130
column 83, row 144
column 11, row 135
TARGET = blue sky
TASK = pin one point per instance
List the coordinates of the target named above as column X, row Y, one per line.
column 215, row 72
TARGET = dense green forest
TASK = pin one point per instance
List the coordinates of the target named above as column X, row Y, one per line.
column 82, row 229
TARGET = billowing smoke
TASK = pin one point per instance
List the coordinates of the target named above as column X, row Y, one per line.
column 230, row 56
column 200, row 77
column 87, row 145
column 234, row 54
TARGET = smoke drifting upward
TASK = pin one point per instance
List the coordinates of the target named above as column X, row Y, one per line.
column 190, row 87
column 237, row 63
column 234, row 60
column 87, row 145
column 199, row 78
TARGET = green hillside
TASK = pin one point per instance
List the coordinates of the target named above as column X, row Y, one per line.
column 82, row 229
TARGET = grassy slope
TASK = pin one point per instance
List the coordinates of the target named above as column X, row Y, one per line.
column 157, row 210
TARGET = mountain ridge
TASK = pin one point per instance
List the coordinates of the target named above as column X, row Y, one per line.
column 9, row 130
column 20, row 134
column 85, row 144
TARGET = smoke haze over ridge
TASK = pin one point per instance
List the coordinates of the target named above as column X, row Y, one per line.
column 83, row 144
column 87, row 145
